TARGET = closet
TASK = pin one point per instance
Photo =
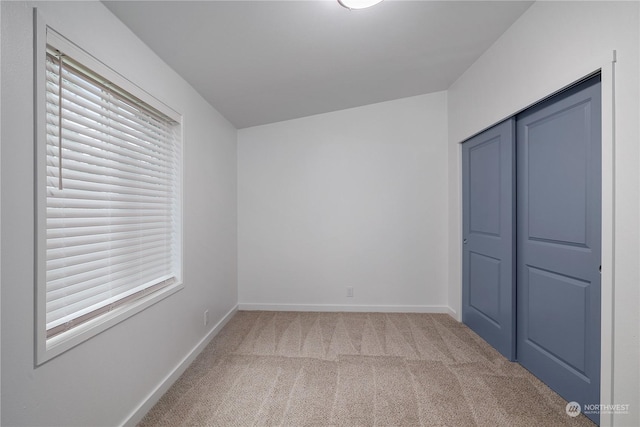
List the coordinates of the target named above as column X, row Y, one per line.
column 532, row 240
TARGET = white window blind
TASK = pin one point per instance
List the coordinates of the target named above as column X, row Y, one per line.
column 112, row 196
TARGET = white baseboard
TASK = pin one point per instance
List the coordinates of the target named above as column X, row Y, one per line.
column 346, row 308
column 168, row 381
column 453, row 314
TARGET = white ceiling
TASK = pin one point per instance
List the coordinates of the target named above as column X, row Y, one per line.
column 260, row 62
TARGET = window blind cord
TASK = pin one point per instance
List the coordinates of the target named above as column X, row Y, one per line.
column 60, row 66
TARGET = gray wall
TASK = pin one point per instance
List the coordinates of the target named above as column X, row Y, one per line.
column 353, row 198
column 104, row 380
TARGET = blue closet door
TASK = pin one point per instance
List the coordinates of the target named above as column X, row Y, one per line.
column 488, row 182
column 558, row 243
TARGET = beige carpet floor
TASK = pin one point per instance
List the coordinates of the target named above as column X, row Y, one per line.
column 355, row 369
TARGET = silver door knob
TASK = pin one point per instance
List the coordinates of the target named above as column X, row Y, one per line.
column 464, row 241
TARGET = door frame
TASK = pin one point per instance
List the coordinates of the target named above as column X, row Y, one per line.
column 607, row 72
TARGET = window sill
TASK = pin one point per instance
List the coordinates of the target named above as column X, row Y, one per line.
column 55, row 346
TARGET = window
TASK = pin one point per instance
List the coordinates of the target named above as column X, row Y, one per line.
column 109, row 199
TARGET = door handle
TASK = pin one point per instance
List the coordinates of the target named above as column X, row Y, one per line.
column 464, row 242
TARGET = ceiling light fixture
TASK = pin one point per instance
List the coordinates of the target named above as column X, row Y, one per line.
column 358, row 4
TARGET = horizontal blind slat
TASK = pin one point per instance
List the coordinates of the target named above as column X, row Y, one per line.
column 80, row 199
column 54, row 214
column 118, row 282
column 101, row 246
column 74, row 116
column 81, row 223
column 112, row 185
column 57, row 233
column 71, row 313
column 77, row 275
column 80, row 241
column 105, row 129
column 100, row 158
column 108, row 141
column 67, row 270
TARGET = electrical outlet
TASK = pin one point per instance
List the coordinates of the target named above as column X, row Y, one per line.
column 350, row 291
column 206, row 317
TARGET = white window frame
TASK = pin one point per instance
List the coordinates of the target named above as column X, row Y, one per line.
column 48, row 348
